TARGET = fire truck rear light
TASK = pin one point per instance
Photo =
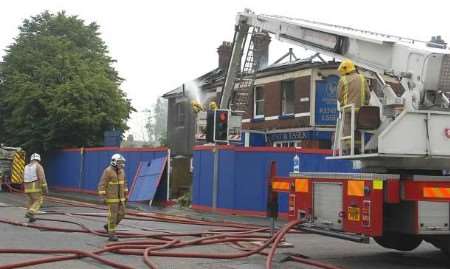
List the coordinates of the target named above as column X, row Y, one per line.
column 430, row 192
column 366, row 213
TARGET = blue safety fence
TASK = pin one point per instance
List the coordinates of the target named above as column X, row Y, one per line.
column 80, row 169
column 146, row 184
column 243, row 172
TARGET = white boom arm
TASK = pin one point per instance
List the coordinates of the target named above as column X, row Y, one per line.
column 418, row 125
column 419, row 68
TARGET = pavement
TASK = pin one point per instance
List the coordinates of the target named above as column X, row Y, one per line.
column 343, row 254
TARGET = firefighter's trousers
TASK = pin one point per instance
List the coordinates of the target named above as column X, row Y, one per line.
column 347, row 130
column 116, row 212
column 35, row 201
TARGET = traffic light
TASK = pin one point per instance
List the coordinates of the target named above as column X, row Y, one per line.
column 210, row 126
column 221, row 117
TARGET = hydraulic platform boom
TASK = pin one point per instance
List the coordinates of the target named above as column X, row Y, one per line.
column 414, row 125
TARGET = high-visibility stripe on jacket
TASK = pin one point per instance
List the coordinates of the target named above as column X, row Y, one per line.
column 113, row 185
column 34, row 186
column 353, row 89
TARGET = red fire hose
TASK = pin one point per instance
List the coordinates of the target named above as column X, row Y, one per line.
column 147, row 252
column 159, row 244
column 278, row 238
column 154, row 247
column 78, row 254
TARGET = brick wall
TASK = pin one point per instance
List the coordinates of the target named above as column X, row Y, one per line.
column 272, row 106
column 302, row 90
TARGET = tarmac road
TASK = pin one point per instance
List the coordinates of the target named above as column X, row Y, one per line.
column 347, row 255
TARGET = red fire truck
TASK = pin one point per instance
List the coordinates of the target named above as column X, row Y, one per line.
column 401, row 194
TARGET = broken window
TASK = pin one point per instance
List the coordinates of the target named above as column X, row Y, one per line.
column 287, row 97
column 258, row 102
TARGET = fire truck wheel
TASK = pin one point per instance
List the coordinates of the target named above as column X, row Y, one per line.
column 398, row 241
column 445, row 250
column 441, row 243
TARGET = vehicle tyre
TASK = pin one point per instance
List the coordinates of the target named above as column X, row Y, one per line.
column 398, row 241
column 441, row 243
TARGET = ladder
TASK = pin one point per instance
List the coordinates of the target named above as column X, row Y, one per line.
column 247, row 78
column 342, row 139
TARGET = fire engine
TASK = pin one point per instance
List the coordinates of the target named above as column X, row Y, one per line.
column 12, row 163
column 401, row 196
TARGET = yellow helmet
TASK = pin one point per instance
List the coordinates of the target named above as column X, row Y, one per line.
column 212, row 105
column 196, row 106
column 346, row 67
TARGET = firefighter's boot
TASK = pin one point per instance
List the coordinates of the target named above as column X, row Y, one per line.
column 113, row 238
column 30, row 217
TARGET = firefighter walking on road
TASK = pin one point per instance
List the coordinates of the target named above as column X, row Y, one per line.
column 113, row 189
column 352, row 89
column 35, row 185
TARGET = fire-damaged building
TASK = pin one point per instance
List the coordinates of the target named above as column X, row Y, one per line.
column 293, row 103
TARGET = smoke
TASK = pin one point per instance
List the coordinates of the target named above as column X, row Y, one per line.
column 193, row 90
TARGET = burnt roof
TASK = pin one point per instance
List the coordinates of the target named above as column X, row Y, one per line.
column 205, row 79
column 218, row 75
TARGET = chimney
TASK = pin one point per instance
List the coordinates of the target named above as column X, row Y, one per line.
column 261, row 43
column 224, row 52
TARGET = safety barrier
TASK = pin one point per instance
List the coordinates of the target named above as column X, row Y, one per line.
column 233, row 180
column 80, row 169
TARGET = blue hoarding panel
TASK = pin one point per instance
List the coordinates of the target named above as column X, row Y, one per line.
column 326, row 96
column 58, row 172
column 203, row 178
column 196, row 157
column 63, row 169
column 243, row 176
column 93, row 165
column 81, row 169
column 147, row 180
column 250, row 188
column 206, row 178
column 225, row 195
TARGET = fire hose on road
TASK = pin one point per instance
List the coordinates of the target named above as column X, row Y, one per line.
column 160, row 244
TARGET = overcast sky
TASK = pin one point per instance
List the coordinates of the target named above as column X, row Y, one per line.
column 160, row 44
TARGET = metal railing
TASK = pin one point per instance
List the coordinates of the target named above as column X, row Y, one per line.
column 340, row 139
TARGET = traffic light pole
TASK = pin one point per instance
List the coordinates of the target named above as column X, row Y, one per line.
column 215, row 185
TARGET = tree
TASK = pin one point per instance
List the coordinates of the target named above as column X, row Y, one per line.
column 160, row 114
column 150, row 126
column 156, row 124
column 58, row 87
column 129, row 142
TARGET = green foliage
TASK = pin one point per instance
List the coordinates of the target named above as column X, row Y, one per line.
column 185, row 200
column 58, row 87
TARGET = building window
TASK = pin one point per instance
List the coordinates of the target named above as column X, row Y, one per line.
column 287, row 97
column 179, row 107
column 258, row 102
column 287, row 144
